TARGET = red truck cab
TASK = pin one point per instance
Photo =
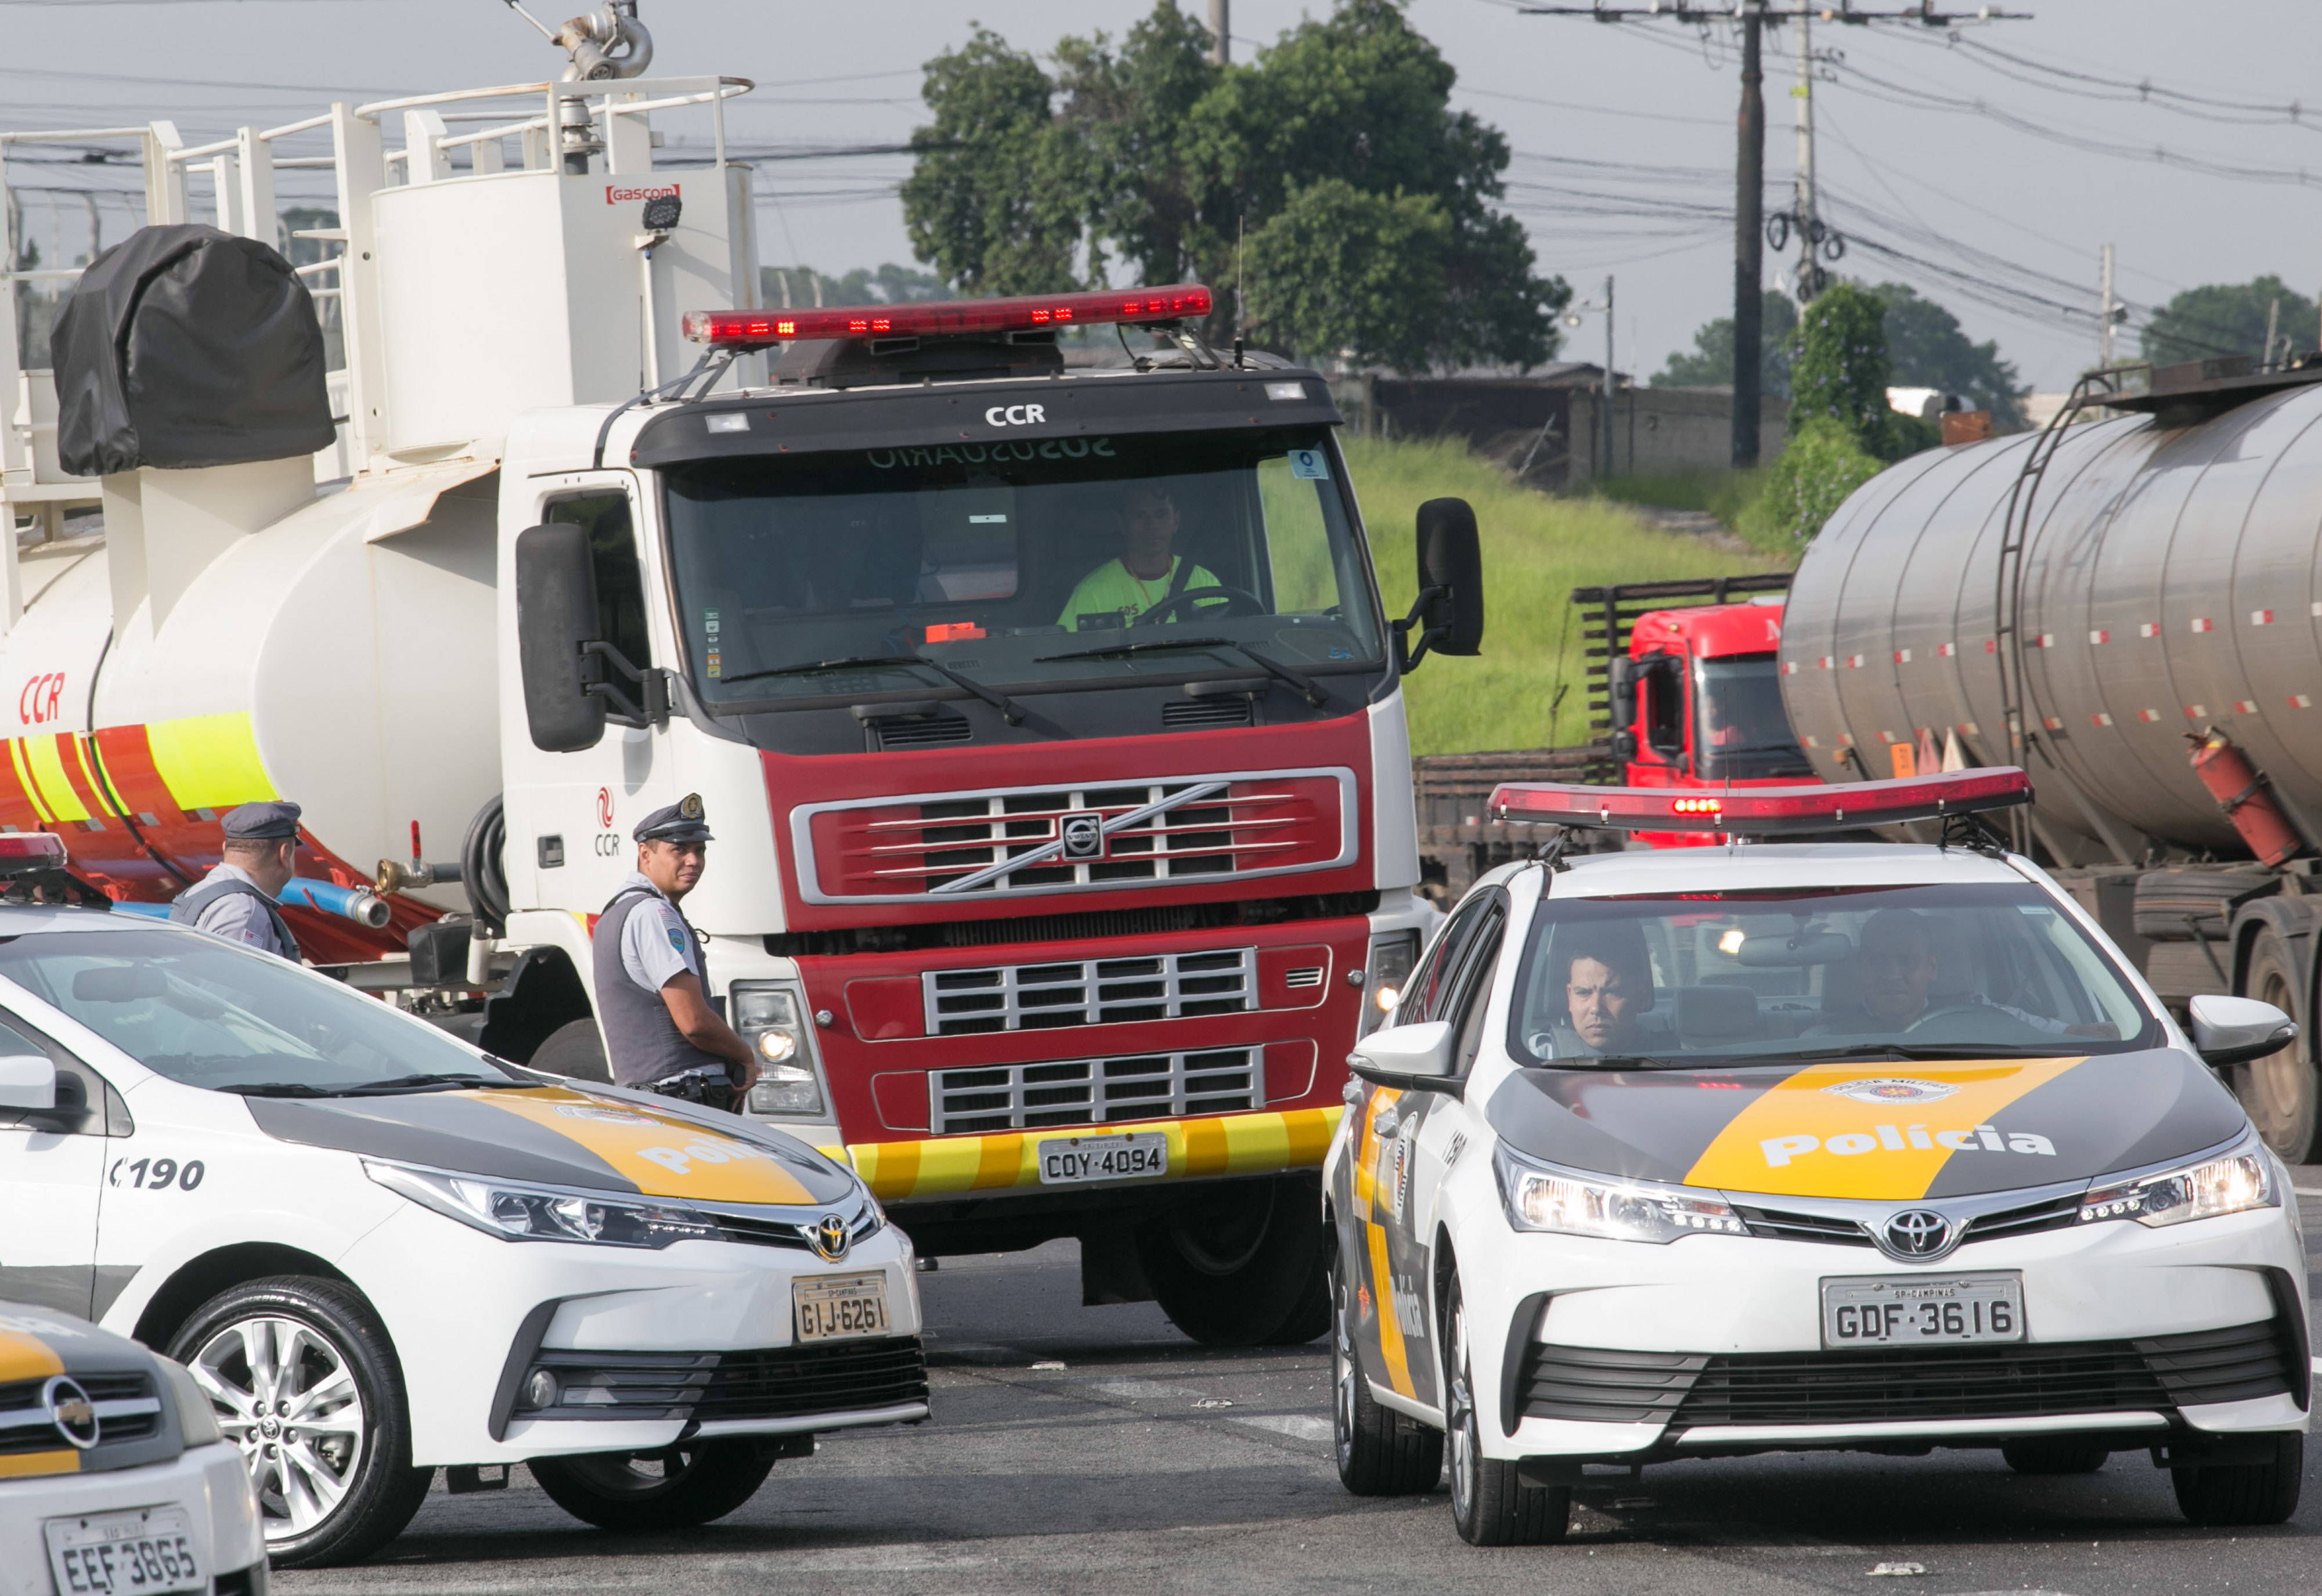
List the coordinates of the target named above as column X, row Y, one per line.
column 1696, row 702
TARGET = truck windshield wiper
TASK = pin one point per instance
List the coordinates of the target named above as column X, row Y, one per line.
column 1314, row 695
column 1009, row 710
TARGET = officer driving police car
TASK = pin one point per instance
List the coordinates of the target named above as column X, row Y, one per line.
column 237, row 899
column 652, row 969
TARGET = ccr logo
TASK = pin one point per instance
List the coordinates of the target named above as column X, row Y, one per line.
column 37, row 704
column 1015, row 416
column 604, row 808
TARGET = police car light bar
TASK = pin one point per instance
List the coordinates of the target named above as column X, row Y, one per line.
column 1759, row 811
column 755, row 329
column 24, row 853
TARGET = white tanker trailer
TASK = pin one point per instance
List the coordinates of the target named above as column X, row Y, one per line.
column 2130, row 608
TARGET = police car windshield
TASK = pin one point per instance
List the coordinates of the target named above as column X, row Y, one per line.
column 1959, row 970
column 1010, row 562
column 209, row 1014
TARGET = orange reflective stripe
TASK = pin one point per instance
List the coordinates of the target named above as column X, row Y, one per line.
column 1390, row 1347
column 26, row 1358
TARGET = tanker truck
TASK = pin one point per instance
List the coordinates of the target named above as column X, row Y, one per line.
column 2129, row 604
column 1056, row 914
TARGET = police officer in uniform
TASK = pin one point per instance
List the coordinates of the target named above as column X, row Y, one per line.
column 237, row 901
column 652, row 976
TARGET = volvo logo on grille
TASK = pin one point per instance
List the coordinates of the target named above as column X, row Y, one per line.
column 830, row 1237
column 1917, row 1232
column 71, row 1411
column 1084, row 835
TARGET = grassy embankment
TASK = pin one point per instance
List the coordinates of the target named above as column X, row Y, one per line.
column 1736, row 497
column 1536, row 550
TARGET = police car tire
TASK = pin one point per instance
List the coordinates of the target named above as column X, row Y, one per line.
column 1379, row 1452
column 2218, row 1495
column 2056, row 1454
column 575, row 1050
column 1242, row 1265
column 710, row 1480
column 1491, row 1505
column 387, row 1489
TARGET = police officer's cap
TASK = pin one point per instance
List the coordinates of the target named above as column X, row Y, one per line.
column 681, row 822
column 273, row 822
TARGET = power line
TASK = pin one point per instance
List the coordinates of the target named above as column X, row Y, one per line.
column 2120, row 90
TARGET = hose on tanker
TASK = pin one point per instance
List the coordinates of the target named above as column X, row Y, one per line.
column 479, row 868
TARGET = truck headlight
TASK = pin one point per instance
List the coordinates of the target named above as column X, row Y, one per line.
column 1570, row 1203
column 2243, row 1179
column 771, row 1017
column 1385, row 972
column 198, row 1423
column 515, row 1212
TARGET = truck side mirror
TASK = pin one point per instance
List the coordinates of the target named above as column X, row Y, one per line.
column 1449, row 613
column 555, row 616
column 1620, row 692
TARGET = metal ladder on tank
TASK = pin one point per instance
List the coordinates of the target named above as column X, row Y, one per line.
column 2024, row 738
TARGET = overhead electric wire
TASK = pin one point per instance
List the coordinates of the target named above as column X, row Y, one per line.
column 2124, row 91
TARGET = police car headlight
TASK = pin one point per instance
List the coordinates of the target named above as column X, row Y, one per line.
column 2243, row 1179
column 198, row 1423
column 534, row 1213
column 771, row 1017
column 1570, row 1203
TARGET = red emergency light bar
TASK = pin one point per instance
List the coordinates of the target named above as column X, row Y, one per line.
column 1759, row 811
column 755, row 329
column 23, row 852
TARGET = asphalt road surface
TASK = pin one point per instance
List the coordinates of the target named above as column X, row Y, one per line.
column 1096, row 1450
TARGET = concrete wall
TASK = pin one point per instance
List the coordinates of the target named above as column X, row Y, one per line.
column 1549, row 427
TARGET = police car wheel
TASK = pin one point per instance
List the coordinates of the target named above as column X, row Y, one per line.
column 1241, row 1263
column 2056, row 1454
column 304, row 1379
column 1491, row 1506
column 2221, row 1494
column 677, row 1489
column 575, row 1050
column 1380, row 1453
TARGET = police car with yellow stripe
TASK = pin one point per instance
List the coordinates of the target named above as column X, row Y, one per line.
column 1714, row 1151
column 381, row 1251
column 114, row 1476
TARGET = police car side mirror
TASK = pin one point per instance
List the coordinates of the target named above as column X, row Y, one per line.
column 1418, row 1051
column 27, row 1081
column 2236, row 1030
column 555, row 614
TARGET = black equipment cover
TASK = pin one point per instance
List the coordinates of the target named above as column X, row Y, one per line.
column 184, row 346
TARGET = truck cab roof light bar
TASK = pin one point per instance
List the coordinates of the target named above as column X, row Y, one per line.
column 758, row 329
column 1759, row 811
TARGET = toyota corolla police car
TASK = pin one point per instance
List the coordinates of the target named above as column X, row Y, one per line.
column 1705, row 1152
column 114, row 1476
column 381, row 1251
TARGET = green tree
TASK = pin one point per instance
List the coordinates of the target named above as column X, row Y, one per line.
column 1177, row 167
column 1925, row 348
column 1838, row 365
column 1709, row 363
column 1818, row 468
column 2228, row 319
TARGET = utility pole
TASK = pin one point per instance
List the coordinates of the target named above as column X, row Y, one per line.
column 1811, row 275
column 1220, row 47
column 1608, row 373
column 2104, row 315
column 1750, row 164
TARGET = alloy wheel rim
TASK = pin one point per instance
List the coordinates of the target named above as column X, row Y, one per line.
column 1342, row 1371
column 1463, row 1419
column 284, row 1393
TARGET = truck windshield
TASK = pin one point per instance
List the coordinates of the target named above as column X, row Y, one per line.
column 1741, row 730
column 1952, row 971
column 210, row 1014
column 1020, row 564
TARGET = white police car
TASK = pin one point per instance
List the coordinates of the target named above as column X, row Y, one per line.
column 381, row 1251
column 114, row 1476
column 1711, row 1152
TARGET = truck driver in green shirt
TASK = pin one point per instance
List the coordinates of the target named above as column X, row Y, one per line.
column 1147, row 571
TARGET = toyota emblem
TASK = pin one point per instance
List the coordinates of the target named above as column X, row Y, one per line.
column 1083, row 836
column 71, row 1411
column 830, row 1238
column 1917, row 1232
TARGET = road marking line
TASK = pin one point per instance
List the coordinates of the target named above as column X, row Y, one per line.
column 1143, row 1389
column 1304, row 1426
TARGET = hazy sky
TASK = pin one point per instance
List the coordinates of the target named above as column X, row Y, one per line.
column 1623, row 134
